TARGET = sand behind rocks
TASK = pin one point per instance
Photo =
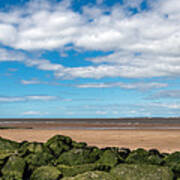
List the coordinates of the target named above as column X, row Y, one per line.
column 164, row 140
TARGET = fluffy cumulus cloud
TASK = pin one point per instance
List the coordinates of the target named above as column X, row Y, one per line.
column 144, row 44
column 133, row 4
column 10, row 55
column 40, row 25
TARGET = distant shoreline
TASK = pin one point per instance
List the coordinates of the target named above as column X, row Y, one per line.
column 92, row 124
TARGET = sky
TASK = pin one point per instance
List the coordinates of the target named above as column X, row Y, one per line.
column 89, row 59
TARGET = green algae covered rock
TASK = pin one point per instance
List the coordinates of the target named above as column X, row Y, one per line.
column 8, row 144
column 38, row 159
column 155, row 152
column 14, row 168
column 59, row 144
column 141, row 172
column 92, row 175
column 173, row 158
column 46, row 173
column 79, row 156
column 173, row 161
column 33, row 147
column 123, row 152
column 79, row 144
column 110, row 158
column 69, row 171
column 4, row 155
column 137, row 156
column 141, row 156
column 61, row 158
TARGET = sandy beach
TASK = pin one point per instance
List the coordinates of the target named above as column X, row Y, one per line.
column 163, row 140
column 163, row 134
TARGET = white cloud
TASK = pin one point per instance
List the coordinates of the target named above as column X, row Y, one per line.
column 99, row 1
column 43, row 65
column 172, row 106
column 7, row 33
column 11, row 99
column 145, row 44
column 145, row 31
column 27, row 98
column 175, row 94
column 140, row 85
column 41, row 25
column 28, row 82
column 133, row 3
column 41, row 98
column 29, row 113
column 101, row 112
column 10, row 55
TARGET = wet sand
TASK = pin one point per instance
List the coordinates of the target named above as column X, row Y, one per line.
column 163, row 140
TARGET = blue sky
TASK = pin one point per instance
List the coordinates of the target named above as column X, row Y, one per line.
column 96, row 58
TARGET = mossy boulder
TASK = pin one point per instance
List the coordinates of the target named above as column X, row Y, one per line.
column 110, row 158
column 69, row 171
column 59, row 144
column 46, row 173
column 124, row 152
column 141, row 156
column 141, row 172
column 79, row 156
column 92, row 175
column 4, row 155
column 77, row 161
column 8, row 145
column 33, row 147
column 173, row 161
column 78, row 144
column 14, row 168
column 38, row 159
column 155, row 152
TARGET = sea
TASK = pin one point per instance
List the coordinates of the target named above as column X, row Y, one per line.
column 95, row 124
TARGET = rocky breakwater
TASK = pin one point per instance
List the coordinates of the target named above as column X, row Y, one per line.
column 61, row 158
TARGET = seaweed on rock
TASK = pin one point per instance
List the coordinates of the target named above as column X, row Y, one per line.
column 61, row 158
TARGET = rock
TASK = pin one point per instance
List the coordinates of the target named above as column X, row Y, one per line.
column 137, row 156
column 124, row 152
column 46, row 173
column 69, row 171
column 92, row 175
column 38, row 159
column 14, row 168
column 173, row 158
column 141, row 172
column 154, row 152
column 78, row 156
column 8, row 145
column 4, row 155
column 79, row 145
column 64, row 139
column 141, row 156
column 59, row 144
column 164, row 155
column 173, row 161
column 154, row 160
column 33, row 147
column 110, row 158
